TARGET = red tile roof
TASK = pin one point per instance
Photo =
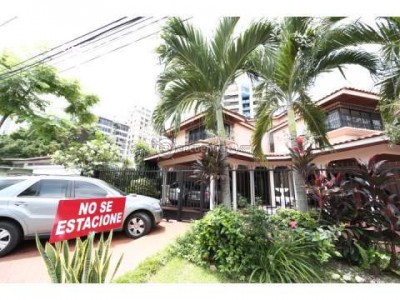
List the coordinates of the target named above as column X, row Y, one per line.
column 363, row 137
column 347, row 88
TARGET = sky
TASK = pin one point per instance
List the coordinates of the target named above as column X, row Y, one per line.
column 128, row 77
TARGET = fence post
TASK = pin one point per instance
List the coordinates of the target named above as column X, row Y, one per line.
column 212, row 192
column 272, row 187
column 234, row 190
column 164, row 186
column 202, row 194
column 252, row 189
column 180, row 195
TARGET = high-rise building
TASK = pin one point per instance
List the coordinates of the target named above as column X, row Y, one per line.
column 238, row 98
column 116, row 131
column 141, row 129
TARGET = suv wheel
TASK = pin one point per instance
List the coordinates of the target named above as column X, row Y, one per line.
column 10, row 236
column 137, row 225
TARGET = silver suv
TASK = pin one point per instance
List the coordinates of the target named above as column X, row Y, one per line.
column 28, row 205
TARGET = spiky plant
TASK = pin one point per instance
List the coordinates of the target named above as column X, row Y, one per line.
column 87, row 264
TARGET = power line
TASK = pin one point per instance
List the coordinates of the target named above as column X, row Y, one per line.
column 66, row 43
column 118, row 48
column 8, row 21
column 90, row 40
column 107, row 41
column 8, row 74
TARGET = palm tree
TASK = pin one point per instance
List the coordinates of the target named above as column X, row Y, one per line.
column 199, row 70
column 305, row 48
column 387, row 34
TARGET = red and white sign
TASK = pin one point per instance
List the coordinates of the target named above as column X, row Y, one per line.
column 79, row 217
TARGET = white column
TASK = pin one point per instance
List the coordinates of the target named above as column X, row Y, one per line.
column 212, row 192
column 292, row 190
column 272, row 188
column 234, row 189
column 252, row 189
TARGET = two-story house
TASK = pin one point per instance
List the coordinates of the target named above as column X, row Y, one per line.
column 354, row 131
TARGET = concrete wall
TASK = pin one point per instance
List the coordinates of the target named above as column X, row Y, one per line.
column 364, row 154
column 282, row 137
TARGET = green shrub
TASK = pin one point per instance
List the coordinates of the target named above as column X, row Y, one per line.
column 144, row 186
column 373, row 259
column 245, row 245
column 283, row 217
column 186, row 246
column 242, row 201
column 218, row 240
column 323, row 241
column 285, row 259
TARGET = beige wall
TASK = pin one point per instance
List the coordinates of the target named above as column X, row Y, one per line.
column 282, row 138
column 180, row 138
column 346, row 133
column 242, row 136
column 365, row 153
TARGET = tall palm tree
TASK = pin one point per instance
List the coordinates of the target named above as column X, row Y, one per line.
column 387, row 34
column 199, row 70
column 305, row 48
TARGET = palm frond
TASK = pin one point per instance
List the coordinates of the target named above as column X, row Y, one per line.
column 340, row 58
column 260, row 33
column 223, row 37
column 265, row 112
column 314, row 117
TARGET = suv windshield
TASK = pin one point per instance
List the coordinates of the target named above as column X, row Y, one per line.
column 4, row 183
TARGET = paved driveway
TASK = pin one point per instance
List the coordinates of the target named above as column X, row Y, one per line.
column 25, row 265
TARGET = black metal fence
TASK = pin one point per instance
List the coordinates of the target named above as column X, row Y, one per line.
column 144, row 182
column 185, row 197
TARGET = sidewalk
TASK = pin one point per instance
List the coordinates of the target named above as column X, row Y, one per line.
column 26, row 266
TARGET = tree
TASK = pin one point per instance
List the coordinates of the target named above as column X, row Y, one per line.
column 44, row 136
column 140, row 152
column 23, row 94
column 199, row 70
column 305, row 48
column 387, row 34
column 93, row 154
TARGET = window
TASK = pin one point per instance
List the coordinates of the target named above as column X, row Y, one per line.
column 88, row 190
column 231, row 103
column 47, row 189
column 333, row 120
column 353, row 118
column 8, row 182
column 198, row 133
column 271, row 142
column 30, row 191
column 53, row 188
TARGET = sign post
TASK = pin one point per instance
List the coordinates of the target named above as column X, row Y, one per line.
column 79, row 217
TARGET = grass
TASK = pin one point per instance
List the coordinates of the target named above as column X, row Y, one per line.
column 146, row 269
column 178, row 270
column 163, row 267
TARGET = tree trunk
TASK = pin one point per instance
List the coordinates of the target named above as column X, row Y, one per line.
column 2, row 120
column 225, row 187
column 299, row 184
